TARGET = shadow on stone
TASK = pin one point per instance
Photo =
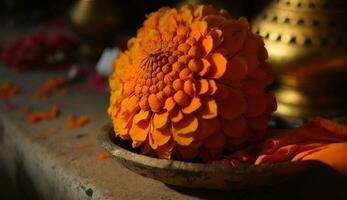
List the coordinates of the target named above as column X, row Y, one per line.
column 24, row 183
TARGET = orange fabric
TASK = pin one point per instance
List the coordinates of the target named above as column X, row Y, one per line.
column 320, row 139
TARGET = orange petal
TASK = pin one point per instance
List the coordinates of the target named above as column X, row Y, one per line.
column 207, row 44
column 252, row 62
column 236, row 34
column 141, row 116
column 233, row 106
column 198, row 29
column 271, row 103
column 195, row 51
column 253, row 87
column 255, row 106
column 189, row 87
column 181, row 98
column 218, row 65
column 208, row 109
column 193, row 106
column 206, row 67
column 170, row 104
column 159, row 137
column 234, row 128
column 217, row 36
column 139, row 132
column 215, row 141
column 222, row 92
column 260, row 122
column 133, row 103
column 183, row 140
column 196, row 65
column 203, row 86
column 236, row 71
column 154, row 103
column 188, row 124
column 176, row 115
column 165, row 151
column 207, row 127
column 213, row 20
column 212, row 87
column 160, row 120
column 186, row 152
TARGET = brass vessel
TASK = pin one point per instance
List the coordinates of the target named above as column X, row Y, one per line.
column 96, row 22
column 306, row 41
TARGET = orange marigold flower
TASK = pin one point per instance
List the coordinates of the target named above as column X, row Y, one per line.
column 193, row 82
column 8, row 89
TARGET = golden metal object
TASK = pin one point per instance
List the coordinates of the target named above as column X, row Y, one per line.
column 306, row 41
column 96, row 22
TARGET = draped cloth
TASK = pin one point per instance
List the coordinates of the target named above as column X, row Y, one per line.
column 320, row 139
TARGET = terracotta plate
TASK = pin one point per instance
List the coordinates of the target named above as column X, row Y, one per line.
column 199, row 175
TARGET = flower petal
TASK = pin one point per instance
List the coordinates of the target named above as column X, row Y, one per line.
column 189, row 87
column 255, row 106
column 260, row 122
column 236, row 33
column 176, row 115
column 181, row 98
column 160, row 120
column 212, row 87
column 222, row 92
column 186, row 152
column 139, row 131
column 218, row 65
column 188, row 124
column 203, row 86
column 207, row 127
column 206, row 67
column 198, row 29
column 184, row 140
column 165, row 151
column 141, row 116
column 159, row 137
column 170, row 104
column 207, row 44
column 215, row 141
column 193, row 106
column 234, row 128
column 236, row 71
column 271, row 104
column 233, row 106
column 154, row 103
column 208, row 109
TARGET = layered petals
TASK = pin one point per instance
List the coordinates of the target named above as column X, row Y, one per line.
column 192, row 83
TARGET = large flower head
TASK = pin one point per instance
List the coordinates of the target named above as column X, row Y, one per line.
column 192, row 83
